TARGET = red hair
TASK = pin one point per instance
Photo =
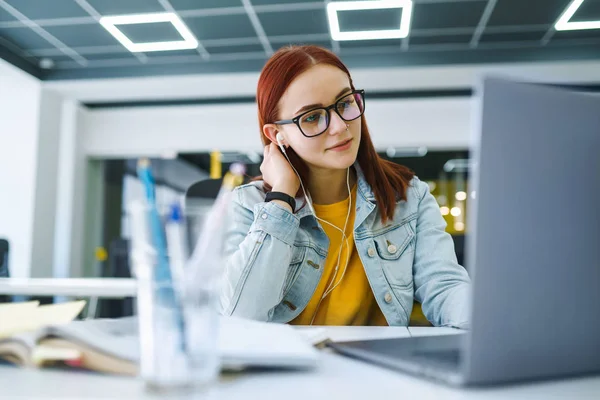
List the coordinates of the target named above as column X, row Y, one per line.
column 388, row 180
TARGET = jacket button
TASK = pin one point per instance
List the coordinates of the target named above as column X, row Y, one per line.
column 264, row 216
column 371, row 252
column 392, row 249
column 388, row 297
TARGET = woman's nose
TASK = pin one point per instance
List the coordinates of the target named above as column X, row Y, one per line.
column 336, row 124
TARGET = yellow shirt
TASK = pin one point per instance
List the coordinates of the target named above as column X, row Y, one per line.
column 352, row 301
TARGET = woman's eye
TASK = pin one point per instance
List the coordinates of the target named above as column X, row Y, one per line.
column 344, row 105
column 311, row 118
column 347, row 102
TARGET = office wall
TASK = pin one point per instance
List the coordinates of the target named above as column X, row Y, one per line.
column 19, row 122
column 439, row 123
column 42, row 177
column 403, row 78
column 123, row 132
column 84, row 136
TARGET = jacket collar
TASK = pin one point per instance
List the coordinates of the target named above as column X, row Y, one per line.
column 365, row 199
column 363, row 187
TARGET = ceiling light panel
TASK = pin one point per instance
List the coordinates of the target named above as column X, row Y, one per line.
column 110, row 23
column 403, row 29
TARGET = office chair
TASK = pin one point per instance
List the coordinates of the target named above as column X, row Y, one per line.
column 199, row 198
column 4, row 247
column 459, row 248
column 204, row 189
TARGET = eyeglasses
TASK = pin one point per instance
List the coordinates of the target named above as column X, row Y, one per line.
column 316, row 121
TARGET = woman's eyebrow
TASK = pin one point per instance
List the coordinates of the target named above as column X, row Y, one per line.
column 316, row 105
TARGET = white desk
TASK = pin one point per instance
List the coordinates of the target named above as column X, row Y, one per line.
column 336, row 378
column 77, row 287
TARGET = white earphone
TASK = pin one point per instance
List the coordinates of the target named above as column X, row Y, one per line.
column 329, row 289
column 279, row 138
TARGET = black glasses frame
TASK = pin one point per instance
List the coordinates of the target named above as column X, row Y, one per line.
column 296, row 120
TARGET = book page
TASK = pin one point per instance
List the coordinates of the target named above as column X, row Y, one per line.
column 8, row 308
column 88, row 357
column 25, row 317
column 115, row 337
column 58, row 314
column 17, row 348
column 319, row 334
column 252, row 343
column 13, row 315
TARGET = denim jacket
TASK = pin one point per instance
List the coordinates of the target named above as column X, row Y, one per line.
column 275, row 259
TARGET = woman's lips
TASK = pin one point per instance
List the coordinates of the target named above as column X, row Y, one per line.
column 345, row 145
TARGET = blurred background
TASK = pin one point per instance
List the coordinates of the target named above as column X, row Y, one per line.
column 80, row 104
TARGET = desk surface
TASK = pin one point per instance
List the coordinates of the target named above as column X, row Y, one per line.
column 336, row 378
column 77, row 287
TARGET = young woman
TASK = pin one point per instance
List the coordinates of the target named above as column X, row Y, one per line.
column 333, row 234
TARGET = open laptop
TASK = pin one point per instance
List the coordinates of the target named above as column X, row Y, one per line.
column 533, row 248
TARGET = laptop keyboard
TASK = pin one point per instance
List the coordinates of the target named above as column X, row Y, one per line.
column 450, row 356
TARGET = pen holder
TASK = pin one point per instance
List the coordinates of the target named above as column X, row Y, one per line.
column 178, row 340
column 176, row 305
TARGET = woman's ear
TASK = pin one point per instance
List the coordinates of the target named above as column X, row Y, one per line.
column 270, row 131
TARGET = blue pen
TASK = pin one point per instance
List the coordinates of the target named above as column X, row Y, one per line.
column 162, row 275
column 177, row 245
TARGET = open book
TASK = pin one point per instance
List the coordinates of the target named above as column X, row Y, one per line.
column 25, row 332
column 112, row 345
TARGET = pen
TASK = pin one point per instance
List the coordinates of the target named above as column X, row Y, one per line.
column 162, row 273
column 176, row 244
column 142, row 262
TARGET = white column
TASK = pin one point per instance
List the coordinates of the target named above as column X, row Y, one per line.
column 44, row 209
column 70, row 195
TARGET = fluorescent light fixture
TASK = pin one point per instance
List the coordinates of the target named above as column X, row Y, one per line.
column 400, row 33
column 110, row 24
column 564, row 24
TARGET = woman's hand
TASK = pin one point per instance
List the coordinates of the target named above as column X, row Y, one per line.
column 277, row 171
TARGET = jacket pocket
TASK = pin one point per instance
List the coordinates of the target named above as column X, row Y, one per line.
column 395, row 249
column 298, row 255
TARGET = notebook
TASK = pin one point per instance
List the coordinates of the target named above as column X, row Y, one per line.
column 319, row 336
column 112, row 345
